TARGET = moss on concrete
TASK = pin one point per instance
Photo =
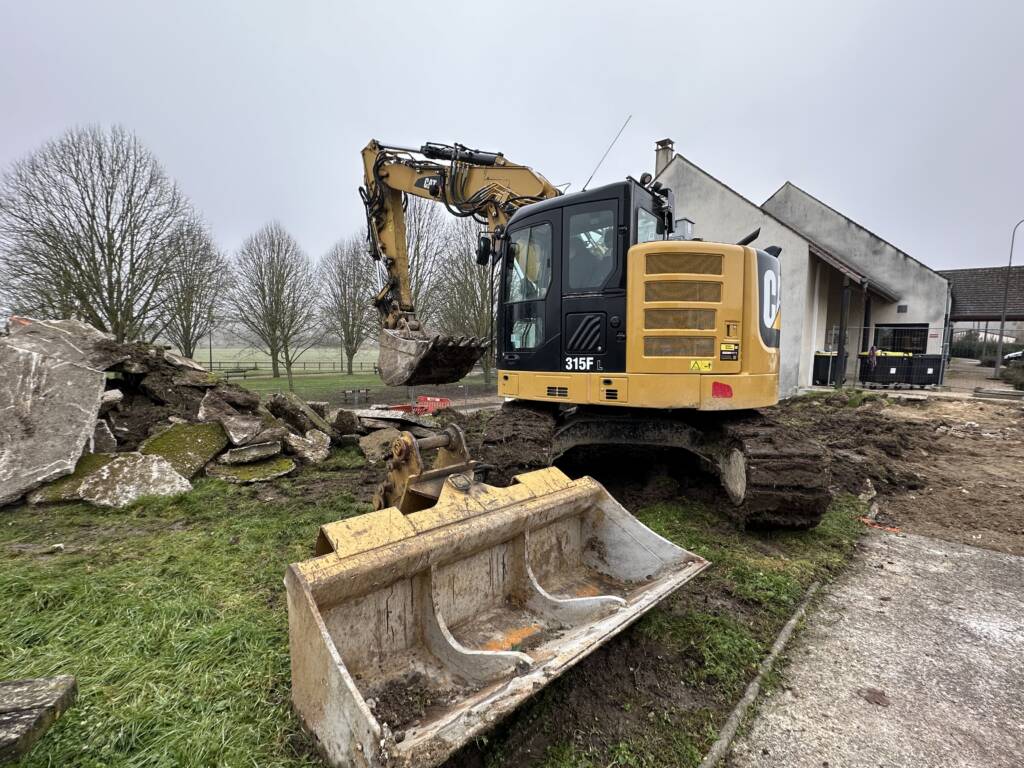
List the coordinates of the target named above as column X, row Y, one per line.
column 66, row 488
column 257, row 471
column 187, row 447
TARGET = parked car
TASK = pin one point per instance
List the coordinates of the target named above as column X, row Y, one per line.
column 1014, row 357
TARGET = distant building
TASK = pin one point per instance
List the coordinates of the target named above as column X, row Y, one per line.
column 978, row 295
column 829, row 262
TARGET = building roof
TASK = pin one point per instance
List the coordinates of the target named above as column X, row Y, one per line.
column 854, row 273
column 978, row 293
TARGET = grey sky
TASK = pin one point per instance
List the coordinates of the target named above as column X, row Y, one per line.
column 906, row 116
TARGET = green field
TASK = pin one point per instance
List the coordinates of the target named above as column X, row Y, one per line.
column 247, row 356
column 332, row 387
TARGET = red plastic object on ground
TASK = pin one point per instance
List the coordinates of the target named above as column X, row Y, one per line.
column 430, row 404
column 424, row 404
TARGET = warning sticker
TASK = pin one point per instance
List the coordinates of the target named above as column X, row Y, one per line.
column 729, row 351
column 700, row 365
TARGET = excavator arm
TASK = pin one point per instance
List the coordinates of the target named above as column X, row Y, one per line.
column 468, row 182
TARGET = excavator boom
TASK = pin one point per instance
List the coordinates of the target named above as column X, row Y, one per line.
column 468, row 182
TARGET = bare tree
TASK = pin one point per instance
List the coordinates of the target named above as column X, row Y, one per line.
column 275, row 297
column 349, row 283
column 426, row 235
column 465, row 306
column 195, row 290
column 84, row 227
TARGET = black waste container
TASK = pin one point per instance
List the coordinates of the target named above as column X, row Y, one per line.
column 891, row 368
column 924, row 370
column 825, row 369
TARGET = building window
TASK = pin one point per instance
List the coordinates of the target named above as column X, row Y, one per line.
column 901, row 309
column 902, row 338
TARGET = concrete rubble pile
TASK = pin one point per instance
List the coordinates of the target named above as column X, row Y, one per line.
column 85, row 418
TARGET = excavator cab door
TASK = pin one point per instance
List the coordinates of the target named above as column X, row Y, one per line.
column 593, row 288
column 530, row 292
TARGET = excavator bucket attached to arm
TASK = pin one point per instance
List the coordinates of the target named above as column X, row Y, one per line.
column 411, row 358
column 411, row 634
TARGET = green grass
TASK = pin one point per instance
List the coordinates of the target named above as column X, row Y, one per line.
column 329, row 386
column 172, row 616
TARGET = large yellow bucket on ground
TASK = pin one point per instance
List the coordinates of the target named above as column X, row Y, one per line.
column 411, row 634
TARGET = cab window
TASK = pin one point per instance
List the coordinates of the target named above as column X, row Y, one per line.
column 591, row 250
column 528, row 264
column 646, row 226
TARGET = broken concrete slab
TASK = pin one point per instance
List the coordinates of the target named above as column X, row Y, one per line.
column 48, row 411
column 67, row 488
column 103, row 440
column 111, row 399
column 247, row 454
column 291, row 409
column 188, row 447
column 257, row 472
column 376, row 446
column 130, row 476
column 273, row 430
column 314, row 448
column 240, row 428
column 182, row 362
column 27, row 710
column 393, row 418
column 345, row 422
column 69, row 340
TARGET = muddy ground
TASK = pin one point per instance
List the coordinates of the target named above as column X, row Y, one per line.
column 952, row 469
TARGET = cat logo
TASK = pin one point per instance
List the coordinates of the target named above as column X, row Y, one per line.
column 770, row 295
column 430, row 183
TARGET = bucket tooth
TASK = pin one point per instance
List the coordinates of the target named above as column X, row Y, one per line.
column 477, row 601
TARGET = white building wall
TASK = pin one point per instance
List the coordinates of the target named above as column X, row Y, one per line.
column 722, row 215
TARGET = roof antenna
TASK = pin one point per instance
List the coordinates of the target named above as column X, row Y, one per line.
column 606, row 152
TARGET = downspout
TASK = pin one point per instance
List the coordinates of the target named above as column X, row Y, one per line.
column 844, row 313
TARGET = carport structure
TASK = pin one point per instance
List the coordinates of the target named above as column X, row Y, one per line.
column 978, row 294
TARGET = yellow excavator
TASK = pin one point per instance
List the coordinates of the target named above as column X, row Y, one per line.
column 418, row 626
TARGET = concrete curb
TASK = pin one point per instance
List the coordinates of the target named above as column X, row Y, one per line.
column 725, row 738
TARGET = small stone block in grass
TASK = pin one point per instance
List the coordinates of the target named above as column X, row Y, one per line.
column 27, row 710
